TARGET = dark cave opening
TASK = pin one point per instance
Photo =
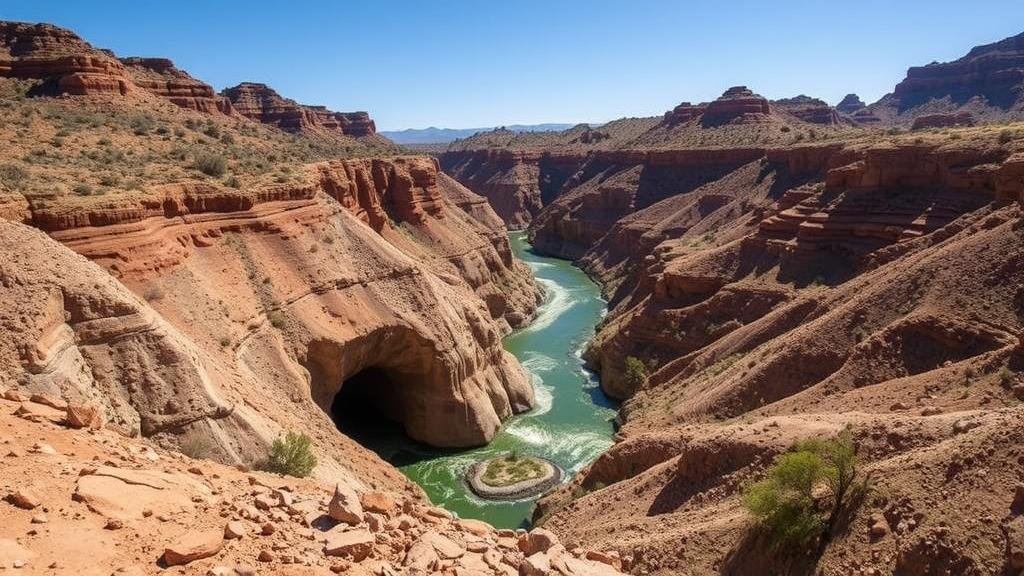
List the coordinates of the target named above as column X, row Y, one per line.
column 360, row 408
column 367, row 409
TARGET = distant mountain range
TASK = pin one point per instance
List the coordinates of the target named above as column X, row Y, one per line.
column 434, row 135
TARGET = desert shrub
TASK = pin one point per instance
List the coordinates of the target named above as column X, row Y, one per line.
column 276, row 319
column 291, row 455
column 232, row 182
column 211, row 164
column 153, row 294
column 784, row 503
column 110, row 179
column 82, row 189
column 635, row 372
column 227, row 138
column 12, row 176
column 1006, row 377
column 213, row 131
column 141, row 124
column 1005, row 136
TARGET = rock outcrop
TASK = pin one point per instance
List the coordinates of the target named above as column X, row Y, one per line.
column 517, row 184
column 261, row 103
column 943, row 120
column 987, row 82
column 808, row 109
column 65, row 62
column 684, row 112
column 737, row 104
column 850, row 104
column 161, row 77
column 820, row 286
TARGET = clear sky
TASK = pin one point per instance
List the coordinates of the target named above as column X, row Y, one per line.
column 475, row 63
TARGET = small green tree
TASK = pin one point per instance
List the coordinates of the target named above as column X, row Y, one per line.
column 784, row 501
column 636, row 372
column 292, row 455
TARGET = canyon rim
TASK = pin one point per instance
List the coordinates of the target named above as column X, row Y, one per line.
column 240, row 334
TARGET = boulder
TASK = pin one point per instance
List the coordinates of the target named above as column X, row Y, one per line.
column 235, row 529
column 421, row 556
column 25, row 499
column 535, row 565
column 47, row 400
column 86, row 415
column 537, row 540
column 193, row 546
column 478, row 527
column 379, row 502
column 356, row 544
column 345, row 506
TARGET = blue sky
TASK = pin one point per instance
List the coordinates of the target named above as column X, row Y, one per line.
column 471, row 63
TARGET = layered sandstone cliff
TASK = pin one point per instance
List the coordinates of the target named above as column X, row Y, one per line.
column 66, row 62
column 274, row 298
column 987, row 82
column 159, row 76
column 261, row 103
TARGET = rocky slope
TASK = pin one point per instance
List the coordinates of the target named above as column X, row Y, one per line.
column 872, row 284
column 93, row 502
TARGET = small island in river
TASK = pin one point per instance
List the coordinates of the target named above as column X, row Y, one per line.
column 513, row 476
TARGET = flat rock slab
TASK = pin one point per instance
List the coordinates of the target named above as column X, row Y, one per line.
column 193, row 546
column 357, row 543
column 124, row 494
column 12, row 554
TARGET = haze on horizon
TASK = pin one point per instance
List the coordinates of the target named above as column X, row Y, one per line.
column 464, row 64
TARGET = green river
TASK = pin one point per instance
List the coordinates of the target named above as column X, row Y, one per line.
column 571, row 422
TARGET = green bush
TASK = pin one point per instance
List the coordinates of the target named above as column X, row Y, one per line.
column 292, row 455
column 783, row 503
column 211, row 164
column 636, row 372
